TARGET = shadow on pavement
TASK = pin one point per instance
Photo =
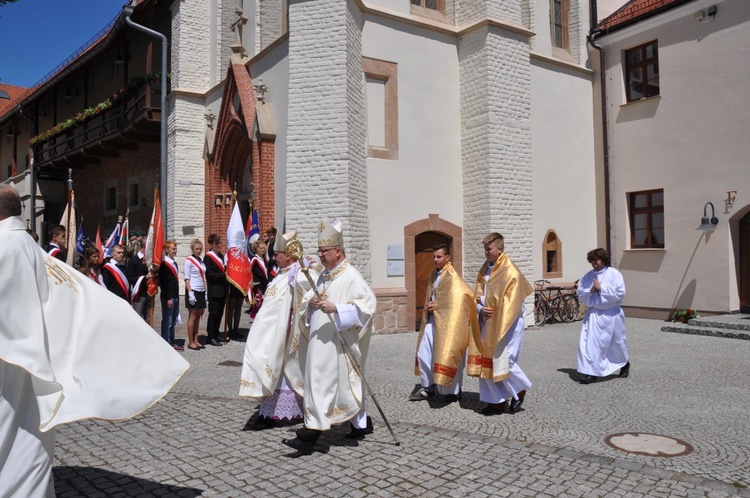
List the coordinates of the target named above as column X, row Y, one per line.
column 572, row 373
column 89, row 481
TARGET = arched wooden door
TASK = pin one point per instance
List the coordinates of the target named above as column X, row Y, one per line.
column 745, row 264
column 423, row 245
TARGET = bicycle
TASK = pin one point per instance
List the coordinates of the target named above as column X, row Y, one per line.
column 560, row 307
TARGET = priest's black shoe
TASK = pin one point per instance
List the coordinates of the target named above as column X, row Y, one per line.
column 303, row 447
column 263, row 423
column 305, row 434
column 625, row 371
column 356, row 433
column 493, row 409
column 215, row 342
column 515, row 404
column 587, row 379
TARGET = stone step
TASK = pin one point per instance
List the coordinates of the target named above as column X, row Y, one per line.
column 732, row 322
column 709, row 330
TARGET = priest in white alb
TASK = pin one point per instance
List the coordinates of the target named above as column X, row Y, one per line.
column 333, row 392
column 272, row 344
column 69, row 350
column 602, row 347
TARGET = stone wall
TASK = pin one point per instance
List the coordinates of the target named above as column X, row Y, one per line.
column 391, row 313
column 495, row 75
column 326, row 153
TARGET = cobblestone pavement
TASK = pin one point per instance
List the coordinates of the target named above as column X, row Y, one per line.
column 692, row 388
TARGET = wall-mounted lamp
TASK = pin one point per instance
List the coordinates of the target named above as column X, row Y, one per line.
column 71, row 93
column 122, row 56
column 707, row 15
column 218, row 200
column 731, row 196
column 707, row 225
column 228, row 199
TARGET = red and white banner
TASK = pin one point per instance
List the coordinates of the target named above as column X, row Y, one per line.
column 238, row 265
column 155, row 241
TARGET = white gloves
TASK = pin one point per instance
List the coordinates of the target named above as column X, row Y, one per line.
column 191, row 298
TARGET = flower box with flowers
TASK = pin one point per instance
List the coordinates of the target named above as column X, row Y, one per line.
column 683, row 315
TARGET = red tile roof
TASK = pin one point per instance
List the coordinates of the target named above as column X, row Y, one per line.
column 636, row 10
column 17, row 94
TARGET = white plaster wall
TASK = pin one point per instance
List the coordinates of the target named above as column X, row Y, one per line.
column 692, row 142
column 273, row 69
column 426, row 177
column 563, row 166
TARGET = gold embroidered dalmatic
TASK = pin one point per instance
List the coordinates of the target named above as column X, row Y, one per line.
column 506, row 290
column 455, row 321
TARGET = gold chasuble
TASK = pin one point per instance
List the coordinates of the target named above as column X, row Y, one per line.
column 455, row 321
column 506, row 290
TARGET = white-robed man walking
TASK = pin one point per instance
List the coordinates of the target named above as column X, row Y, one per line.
column 602, row 348
column 271, row 362
column 333, row 392
column 69, row 350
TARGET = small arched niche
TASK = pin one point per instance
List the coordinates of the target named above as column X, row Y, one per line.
column 552, row 255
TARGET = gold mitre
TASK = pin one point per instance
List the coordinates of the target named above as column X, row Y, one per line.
column 281, row 242
column 330, row 234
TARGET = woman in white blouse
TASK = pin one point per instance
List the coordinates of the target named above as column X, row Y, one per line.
column 195, row 291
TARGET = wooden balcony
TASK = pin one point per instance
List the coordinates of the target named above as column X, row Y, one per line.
column 107, row 135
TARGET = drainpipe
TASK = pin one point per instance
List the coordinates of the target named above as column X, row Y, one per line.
column 127, row 11
column 32, row 171
column 593, row 35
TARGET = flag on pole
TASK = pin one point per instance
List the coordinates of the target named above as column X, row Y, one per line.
column 98, row 244
column 80, row 240
column 69, row 222
column 124, row 231
column 252, row 232
column 155, row 240
column 113, row 239
column 238, row 264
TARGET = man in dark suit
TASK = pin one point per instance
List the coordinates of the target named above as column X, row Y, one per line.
column 216, row 280
column 58, row 242
column 114, row 276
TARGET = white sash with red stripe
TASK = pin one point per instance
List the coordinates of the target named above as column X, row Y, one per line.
column 216, row 259
column 122, row 280
column 53, row 251
column 138, row 287
column 173, row 268
column 198, row 265
column 257, row 260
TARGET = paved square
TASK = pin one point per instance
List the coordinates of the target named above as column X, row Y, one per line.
column 691, row 388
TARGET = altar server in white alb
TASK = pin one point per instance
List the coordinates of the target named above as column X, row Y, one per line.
column 333, row 392
column 69, row 350
column 603, row 347
column 271, row 346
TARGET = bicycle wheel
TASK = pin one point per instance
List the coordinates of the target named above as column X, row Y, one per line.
column 569, row 308
column 556, row 308
column 540, row 312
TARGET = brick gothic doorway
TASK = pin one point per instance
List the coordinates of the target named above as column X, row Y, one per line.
column 419, row 238
column 745, row 264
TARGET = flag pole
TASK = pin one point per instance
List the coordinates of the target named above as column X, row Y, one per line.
column 226, row 301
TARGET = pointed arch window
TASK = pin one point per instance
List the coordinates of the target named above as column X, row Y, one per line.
column 551, row 255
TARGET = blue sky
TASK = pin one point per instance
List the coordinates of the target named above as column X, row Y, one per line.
column 37, row 35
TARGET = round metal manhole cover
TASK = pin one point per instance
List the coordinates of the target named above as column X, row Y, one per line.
column 648, row 444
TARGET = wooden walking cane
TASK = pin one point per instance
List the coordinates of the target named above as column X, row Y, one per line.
column 294, row 249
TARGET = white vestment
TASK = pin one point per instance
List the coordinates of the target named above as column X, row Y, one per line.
column 268, row 347
column 333, row 392
column 69, row 350
column 499, row 392
column 602, row 348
